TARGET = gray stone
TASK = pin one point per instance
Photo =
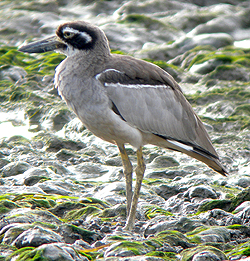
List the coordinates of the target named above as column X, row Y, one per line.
column 13, row 73
column 51, row 188
column 222, row 234
column 243, row 182
column 242, row 206
column 12, row 231
column 163, row 162
column 167, row 191
column 34, row 175
column 3, row 162
column 35, row 237
column 216, row 40
column 14, row 168
column 206, row 256
column 89, row 170
column 200, row 192
column 59, row 252
column 182, row 225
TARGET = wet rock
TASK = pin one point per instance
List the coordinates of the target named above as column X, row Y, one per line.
column 200, row 192
column 114, row 161
column 220, row 217
column 13, row 73
column 14, row 168
column 56, row 119
column 216, row 40
column 3, row 162
column 169, row 174
column 243, row 182
column 207, row 251
column 215, row 234
column 117, row 210
column 60, row 210
column 242, row 206
column 182, row 225
column 55, row 144
column 167, row 191
column 66, row 155
column 71, row 233
column 127, row 248
column 35, row 237
column 51, row 187
column 11, row 232
column 174, row 238
column 164, row 162
column 244, row 215
column 229, row 73
column 224, row 23
column 89, row 170
column 26, row 215
column 59, row 252
column 34, row 175
column 206, row 255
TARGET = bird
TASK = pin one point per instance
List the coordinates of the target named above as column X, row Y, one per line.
column 124, row 100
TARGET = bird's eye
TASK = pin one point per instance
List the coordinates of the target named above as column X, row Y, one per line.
column 68, row 35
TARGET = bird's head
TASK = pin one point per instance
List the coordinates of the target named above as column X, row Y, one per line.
column 72, row 38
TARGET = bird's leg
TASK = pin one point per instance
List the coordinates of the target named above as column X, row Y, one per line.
column 140, row 169
column 127, row 169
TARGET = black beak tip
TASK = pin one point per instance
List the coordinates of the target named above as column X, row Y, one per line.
column 22, row 49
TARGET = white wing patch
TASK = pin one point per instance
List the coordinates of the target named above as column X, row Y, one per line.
column 181, row 145
column 136, row 86
column 107, row 70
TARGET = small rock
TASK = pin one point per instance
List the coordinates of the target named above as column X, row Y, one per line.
column 164, row 162
column 34, row 175
column 200, row 192
column 14, row 168
column 59, row 252
column 35, row 237
column 206, row 256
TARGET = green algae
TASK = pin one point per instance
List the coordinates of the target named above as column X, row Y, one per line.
column 88, row 236
column 225, row 55
column 168, row 256
column 197, row 230
column 226, row 204
column 240, row 250
column 146, row 21
column 174, row 238
column 113, row 212
column 188, row 254
column 82, row 213
column 90, row 200
column 138, row 248
column 25, row 254
column 7, row 205
column 154, row 211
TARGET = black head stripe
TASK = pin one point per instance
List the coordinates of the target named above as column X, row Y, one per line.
column 83, row 40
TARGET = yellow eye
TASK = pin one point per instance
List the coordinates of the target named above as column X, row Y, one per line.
column 68, row 35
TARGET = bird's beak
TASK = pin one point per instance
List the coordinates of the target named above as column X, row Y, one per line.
column 42, row 46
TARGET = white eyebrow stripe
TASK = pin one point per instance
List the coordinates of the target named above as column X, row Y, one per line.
column 84, row 34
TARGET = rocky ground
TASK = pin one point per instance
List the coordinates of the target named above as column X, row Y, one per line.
column 62, row 191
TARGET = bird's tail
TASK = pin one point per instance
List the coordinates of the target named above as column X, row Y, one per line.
column 198, row 153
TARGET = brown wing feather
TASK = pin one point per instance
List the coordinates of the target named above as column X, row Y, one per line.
column 158, row 106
